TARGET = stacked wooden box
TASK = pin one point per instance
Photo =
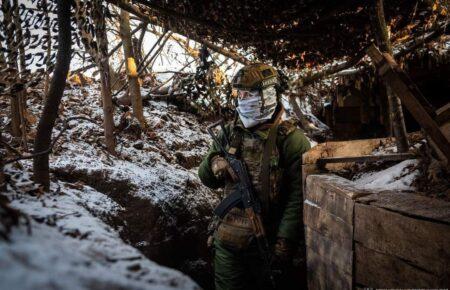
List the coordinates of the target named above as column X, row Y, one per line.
column 402, row 240
column 358, row 239
column 328, row 217
column 389, row 239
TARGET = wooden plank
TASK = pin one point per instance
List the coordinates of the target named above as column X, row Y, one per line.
column 410, row 95
column 342, row 148
column 410, row 204
column 322, row 275
column 337, row 184
column 377, row 270
column 308, row 169
column 330, row 252
column 333, row 194
column 350, row 148
column 422, row 243
column 328, row 225
column 366, row 158
column 443, row 114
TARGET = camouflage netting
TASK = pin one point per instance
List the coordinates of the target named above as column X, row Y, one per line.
column 291, row 33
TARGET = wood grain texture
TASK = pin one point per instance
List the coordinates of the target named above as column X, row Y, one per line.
column 342, row 148
column 328, row 225
column 410, row 204
column 329, row 251
column 377, row 270
column 332, row 194
column 308, row 169
column 423, row 243
column 324, row 275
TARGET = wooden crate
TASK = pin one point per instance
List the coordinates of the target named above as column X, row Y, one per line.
column 359, row 239
column 328, row 216
column 402, row 240
column 356, row 238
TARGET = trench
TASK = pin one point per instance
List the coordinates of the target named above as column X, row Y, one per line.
column 166, row 233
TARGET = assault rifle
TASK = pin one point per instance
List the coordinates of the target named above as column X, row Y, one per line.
column 244, row 194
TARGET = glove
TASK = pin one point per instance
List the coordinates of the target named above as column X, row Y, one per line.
column 219, row 167
column 283, row 251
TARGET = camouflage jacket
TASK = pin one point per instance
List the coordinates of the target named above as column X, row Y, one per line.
column 283, row 218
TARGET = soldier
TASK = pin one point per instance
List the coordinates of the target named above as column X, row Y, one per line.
column 271, row 150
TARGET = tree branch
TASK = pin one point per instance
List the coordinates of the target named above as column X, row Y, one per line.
column 138, row 13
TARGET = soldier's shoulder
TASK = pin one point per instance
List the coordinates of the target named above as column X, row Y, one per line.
column 286, row 127
column 293, row 138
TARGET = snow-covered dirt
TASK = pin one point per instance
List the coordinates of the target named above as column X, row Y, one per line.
column 398, row 177
column 424, row 174
column 70, row 247
column 149, row 198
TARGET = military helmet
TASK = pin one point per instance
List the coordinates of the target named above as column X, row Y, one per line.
column 255, row 76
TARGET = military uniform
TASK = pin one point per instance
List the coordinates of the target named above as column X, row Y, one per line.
column 237, row 262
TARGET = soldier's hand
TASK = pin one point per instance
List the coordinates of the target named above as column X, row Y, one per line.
column 221, row 169
column 283, row 250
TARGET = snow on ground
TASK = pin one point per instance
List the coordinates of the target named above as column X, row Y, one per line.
column 398, row 177
column 151, row 164
column 70, row 247
column 73, row 244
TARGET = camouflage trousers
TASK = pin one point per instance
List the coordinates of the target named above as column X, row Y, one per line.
column 238, row 270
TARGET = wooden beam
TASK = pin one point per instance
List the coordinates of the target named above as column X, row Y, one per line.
column 410, row 95
column 396, row 118
column 365, row 158
column 443, row 114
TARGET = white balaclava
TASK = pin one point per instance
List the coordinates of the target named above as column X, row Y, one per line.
column 257, row 107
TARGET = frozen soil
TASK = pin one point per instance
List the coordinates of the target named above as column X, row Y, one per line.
column 69, row 244
column 161, row 210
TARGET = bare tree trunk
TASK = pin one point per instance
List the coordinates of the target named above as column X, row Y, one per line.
column 12, row 64
column 131, row 66
column 2, row 174
column 55, row 93
column 19, row 36
column 103, row 64
column 49, row 45
column 138, row 46
column 2, row 165
column 395, row 106
column 2, row 56
column 21, row 95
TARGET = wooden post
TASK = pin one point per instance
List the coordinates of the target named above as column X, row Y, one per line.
column 131, row 67
column 410, row 95
column 395, row 106
column 103, row 64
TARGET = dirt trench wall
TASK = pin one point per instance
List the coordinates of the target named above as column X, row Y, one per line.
column 169, row 232
column 358, row 239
